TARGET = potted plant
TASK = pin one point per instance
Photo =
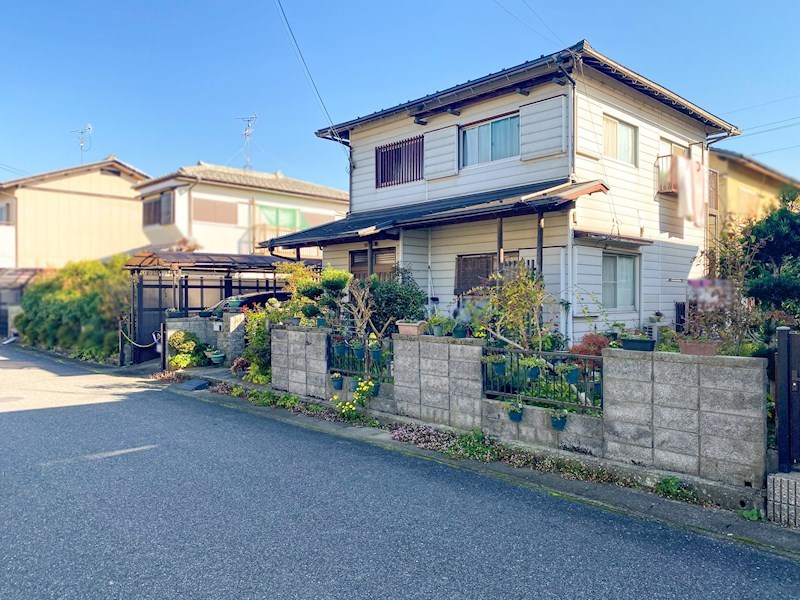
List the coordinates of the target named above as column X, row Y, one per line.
column 460, row 330
column 638, row 341
column 358, row 348
column 698, row 345
column 569, row 371
column 354, row 383
column 174, row 313
column 657, row 317
column 514, row 409
column 234, row 302
column 218, row 313
column 533, row 365
column 375, row 350
column 338, row 345
column 448, row 325
column 410, row 327
column 215, row 356
column 310, row 311
column 337, row 381
column 497, row 361
column 204, row 313
column 558, row 418
column 436, row 324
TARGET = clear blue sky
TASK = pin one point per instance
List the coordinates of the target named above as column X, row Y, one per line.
column 163, row 81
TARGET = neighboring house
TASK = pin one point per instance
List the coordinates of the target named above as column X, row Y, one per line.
column 45, row 218
column 508, row 167
column 226, row 210
column 49, row 219
column 747, row 188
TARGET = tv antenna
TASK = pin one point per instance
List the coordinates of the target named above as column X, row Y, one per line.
column 248, row 131
column 84, row 138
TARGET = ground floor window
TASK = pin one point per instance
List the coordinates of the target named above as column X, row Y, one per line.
column 383, row 262
column 472, row 270
column 619, row 281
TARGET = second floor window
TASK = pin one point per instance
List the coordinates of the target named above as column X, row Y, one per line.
column 399, row 162
column 490, row 141
column 5, row 213
column 158, row 210
column 619, row 140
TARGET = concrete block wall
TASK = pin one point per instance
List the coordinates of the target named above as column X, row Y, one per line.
column 783, row 498
column 229, row 338
column 300, row 360
column 699, row 415
column 438, row 379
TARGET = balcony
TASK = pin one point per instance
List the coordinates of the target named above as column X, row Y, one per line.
column 667, row 180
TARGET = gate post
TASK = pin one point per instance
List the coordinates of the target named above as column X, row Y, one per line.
column 782, row 388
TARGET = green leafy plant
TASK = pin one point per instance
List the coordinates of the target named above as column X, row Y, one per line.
column 396, row 298
column 493, row 358
column 564, row 368
column 187, row 351
column 675, row 489
column 515, row 406
column 752, row 514
column 533, row 361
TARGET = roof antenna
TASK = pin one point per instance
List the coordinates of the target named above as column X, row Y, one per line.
column 84, row 138
column 248, row 131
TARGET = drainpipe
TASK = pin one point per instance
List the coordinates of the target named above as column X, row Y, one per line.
column 562, row 294
column 572, row 133
column 570, row 277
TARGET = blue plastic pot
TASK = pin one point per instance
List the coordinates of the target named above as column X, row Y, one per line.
column 360, row 352
column 337, row 383
column 515, row 416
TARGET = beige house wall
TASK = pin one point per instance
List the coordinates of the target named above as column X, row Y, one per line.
column 78, row 217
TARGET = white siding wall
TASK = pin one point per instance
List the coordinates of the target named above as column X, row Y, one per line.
column 442, row 131
column 8, row 247
column 632, row 208
column 414, row 254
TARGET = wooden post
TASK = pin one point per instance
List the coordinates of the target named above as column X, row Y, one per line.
column 539, row 242
column 370, row 259
column 500, row 244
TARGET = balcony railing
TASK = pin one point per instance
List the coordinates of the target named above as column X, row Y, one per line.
column 667, row 180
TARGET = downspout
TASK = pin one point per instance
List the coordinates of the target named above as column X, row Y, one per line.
column 572, row 133
column 570, row 277
column 562, row 294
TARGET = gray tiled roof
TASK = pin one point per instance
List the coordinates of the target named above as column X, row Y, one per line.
column 252, row 179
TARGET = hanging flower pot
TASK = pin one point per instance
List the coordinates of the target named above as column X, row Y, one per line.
column 533, row 373
column 339, row 348
column 571, row 377
column 354, row 384
column 515, row 416
column 360, row 352
column 499, row 368
column 558, row 422
column 376, row 355
column 337, row 381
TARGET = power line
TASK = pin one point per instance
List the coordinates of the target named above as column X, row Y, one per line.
column 6, row 167
column 307, row 73
column 775, row 150
column 738, row 137
column 730, row 112
column 524, row 24
column 530, row 8
column 768, row 124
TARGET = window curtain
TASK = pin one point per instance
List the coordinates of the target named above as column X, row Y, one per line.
column 625, row 143
column 625, row 281
column 505, row 138
column 610, row 281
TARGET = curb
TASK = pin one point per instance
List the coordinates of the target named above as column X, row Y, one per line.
column 711, row 522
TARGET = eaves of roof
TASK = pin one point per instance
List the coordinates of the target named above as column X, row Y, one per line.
column 526, row 73
column 110, row 161
column 751, row 163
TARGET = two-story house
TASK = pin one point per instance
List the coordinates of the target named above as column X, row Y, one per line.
column 227, row 210
column 555, row 161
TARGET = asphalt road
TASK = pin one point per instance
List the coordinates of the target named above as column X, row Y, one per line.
column 113, row 488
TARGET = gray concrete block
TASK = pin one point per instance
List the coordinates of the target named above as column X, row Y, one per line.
column 407, row 349
column 316, row 366
column 431, row 398
column 434, row 415
column 296, row 337
column 407, row 378
column 625, row 390
column 680, row 419
column 466, row 388
column 674, row 461
column 735, row 451
column 279, row 361
column 499, row 425
column 297, row 363
column 627, row 453
column 464, row 421
column 434, row 366
column 317, row 391
column 732, row 473
column 407, row 395
column 297, row 376
column 677, row 373
column 296, row 387
column 316, row 379
column 408, row 409
column 746, row 404
column 468, row 370
column 278, row 334
column 297, row 349
column 582, row 444
column 316, row 351
column 434, row 383
column 631, row 369
column 466, row 353
column 733, row 426
column 280, row 383
column 539, row 436
column 584, row 425
column 627, row 412
column 386, row 405
column 470, row 406
column 278, row 347
column 406, row 363
column 732, row 378
column 628, row 433
column 676, row 441
column 678, row 396
column 534, row 416
column 430, row 349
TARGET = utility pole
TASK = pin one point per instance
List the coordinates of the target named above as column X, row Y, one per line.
column 248, row 131
column 84, row 138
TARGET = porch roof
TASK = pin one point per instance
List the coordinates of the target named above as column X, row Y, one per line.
column 545, row 197
column 200, row 261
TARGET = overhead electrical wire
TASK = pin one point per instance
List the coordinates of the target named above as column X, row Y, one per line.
column 11, row 169
column 524, row 24
column 308, row 76
column 775, row 150
column 730, row 112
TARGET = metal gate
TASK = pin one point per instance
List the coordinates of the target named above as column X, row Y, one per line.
column 787, row 401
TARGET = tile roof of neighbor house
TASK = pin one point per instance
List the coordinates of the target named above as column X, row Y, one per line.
column 525, row 199
column 250, row 179
column 110, row 161
column 524, row 74
column 746, row 161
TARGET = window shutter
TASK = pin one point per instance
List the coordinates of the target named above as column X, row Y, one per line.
column 472, row 271
column 543, row 128
column 441, row 153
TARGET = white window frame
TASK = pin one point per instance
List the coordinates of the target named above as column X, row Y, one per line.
column 488, row 123
column 634, row 162
column 605, row 301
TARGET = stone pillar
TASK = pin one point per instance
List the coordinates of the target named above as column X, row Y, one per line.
column 230, row 339
column 296, row 338
column 316, row 366
column 783, row 498
column 407, row 375
column 465, row 382
column 434, row 382
column 279, row 350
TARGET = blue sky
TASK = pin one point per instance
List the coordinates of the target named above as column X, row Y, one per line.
column 162, row 82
